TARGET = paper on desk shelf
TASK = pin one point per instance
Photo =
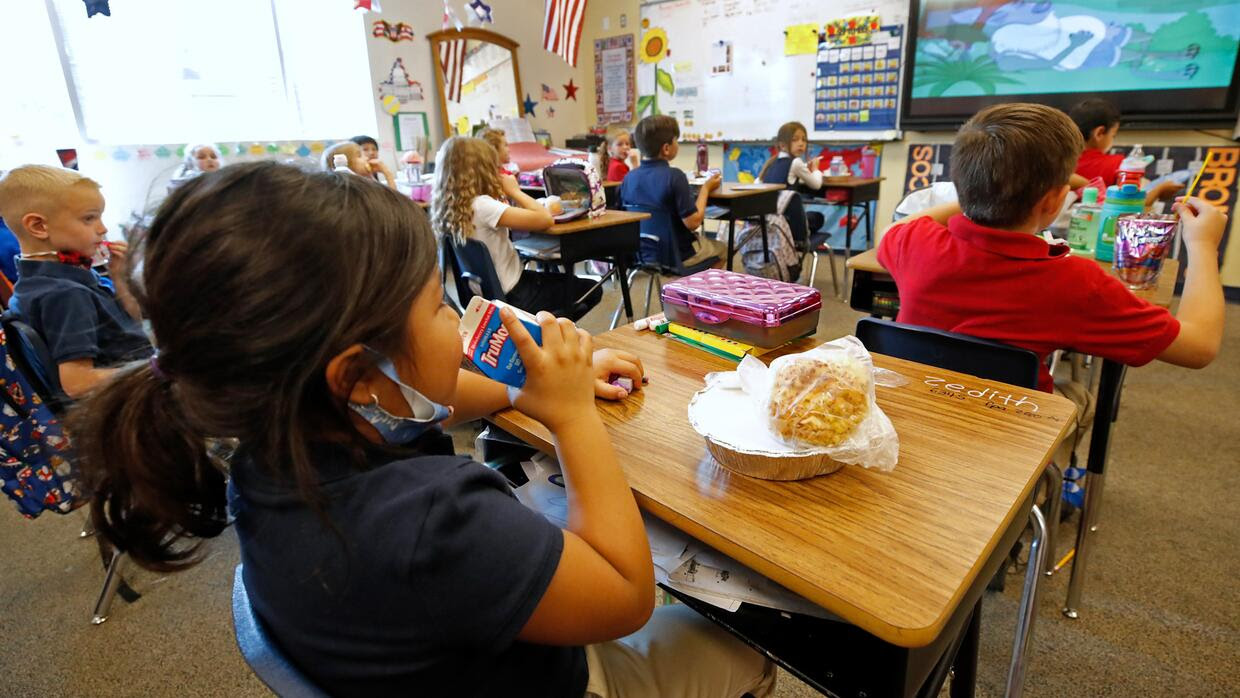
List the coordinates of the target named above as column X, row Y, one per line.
column 545, row 492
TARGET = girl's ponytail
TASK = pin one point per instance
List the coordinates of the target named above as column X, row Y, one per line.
column 604, row 157
column 155, row 488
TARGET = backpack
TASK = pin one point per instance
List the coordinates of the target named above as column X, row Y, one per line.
column 37, row 469
column 785, row 261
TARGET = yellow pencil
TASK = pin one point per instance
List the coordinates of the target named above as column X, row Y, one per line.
column 1189, row 192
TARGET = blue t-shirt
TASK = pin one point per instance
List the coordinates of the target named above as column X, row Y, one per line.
column 77, row 317
column 9, row 249
column 418, row 586
column 657, row 185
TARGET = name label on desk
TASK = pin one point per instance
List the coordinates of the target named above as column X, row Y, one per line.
column 993, row 398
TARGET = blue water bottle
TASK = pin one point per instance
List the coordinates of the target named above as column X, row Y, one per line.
column 1120, row 200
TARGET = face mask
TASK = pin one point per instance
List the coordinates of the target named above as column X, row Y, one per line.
column 401, row 430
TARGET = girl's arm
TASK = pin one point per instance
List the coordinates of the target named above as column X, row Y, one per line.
column 525, row 213
column 806, row 176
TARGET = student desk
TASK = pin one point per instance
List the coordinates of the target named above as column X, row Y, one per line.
column 902, row 557
column 874, row 292
column 615, row 235
column 857, row 191
column 746, row 201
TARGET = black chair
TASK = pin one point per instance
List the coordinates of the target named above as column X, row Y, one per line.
column 658, row 255
column 808, row 242
column 262, row 654
column 474, row 271
column 34, row 361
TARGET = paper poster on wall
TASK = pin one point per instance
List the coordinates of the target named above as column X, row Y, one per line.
column 721, row 58
column 857, row 85
column 801, row 40
column 927, row 164
column 412, row 130
column 615, row 82
column 399, row 85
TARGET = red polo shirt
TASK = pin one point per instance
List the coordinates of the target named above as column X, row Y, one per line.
column 1017, row 289
column 1095, row 163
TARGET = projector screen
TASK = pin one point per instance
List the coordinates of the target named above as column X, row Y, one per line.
column 1157, row 60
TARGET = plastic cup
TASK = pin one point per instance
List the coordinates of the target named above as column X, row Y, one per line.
column 1142, row 241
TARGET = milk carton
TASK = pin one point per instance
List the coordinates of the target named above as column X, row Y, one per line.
column 486, row 343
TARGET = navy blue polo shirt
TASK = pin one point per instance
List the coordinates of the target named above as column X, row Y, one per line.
column 9, row 249
column 657, row 185
column 77, row 317
column 428, row 570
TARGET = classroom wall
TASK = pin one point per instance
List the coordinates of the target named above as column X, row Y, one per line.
column 895, row 154
column 520, row 21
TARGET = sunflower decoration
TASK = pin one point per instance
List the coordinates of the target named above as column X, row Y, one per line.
column 654, row 49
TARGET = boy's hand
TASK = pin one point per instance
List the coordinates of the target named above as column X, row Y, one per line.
column 559, row 380
column 1166, row 189
column 712, row 183
column 613, row 362
column 635, row 160
column 118, row 260
column 509, row 184
column 1203, row 223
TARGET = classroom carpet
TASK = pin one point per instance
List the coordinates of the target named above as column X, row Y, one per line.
column 1159, row 616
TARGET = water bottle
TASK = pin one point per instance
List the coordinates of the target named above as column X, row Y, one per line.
column 1083, row 225
column 1120, row 200
column 703, row 156
column 837, row 168
column 1132, row 169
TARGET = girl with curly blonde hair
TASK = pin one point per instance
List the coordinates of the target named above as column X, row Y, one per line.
column 472, row 201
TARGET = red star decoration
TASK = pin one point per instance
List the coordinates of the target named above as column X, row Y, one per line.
column 570, row 90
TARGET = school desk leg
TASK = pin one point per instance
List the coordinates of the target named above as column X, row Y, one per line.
column 766, row 251
column 849, row 226
column 1027, row 611
column 622, row 275
column 727, row 264
column 1109, row 384
column 1054, row 502
column 964, row 667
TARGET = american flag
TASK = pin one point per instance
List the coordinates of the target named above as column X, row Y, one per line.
column 549, row 94
column 452, row 60
column 562, row 28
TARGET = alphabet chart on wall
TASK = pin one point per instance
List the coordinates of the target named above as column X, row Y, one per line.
column 857, row 84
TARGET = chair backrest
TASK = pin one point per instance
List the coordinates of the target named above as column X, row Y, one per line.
column 34, row 361
column 265, row 659
column 952, row 351
column 659, row 244
column 794, row 212
column 475, row 271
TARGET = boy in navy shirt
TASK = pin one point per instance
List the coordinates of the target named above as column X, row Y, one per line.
column 89, row 324
column 658, row 186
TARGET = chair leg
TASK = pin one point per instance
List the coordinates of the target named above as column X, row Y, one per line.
column 1076, row 583
column 88, row 528
column 813, row 267
column 1054, row 492
column 835, row 284
column 111, row 583
column 1028, row 604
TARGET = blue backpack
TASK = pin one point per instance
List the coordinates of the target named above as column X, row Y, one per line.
column 37, row 468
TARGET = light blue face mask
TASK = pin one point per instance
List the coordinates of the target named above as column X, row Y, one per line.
column 401, row 430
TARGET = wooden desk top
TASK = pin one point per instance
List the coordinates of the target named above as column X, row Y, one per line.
column 894, row 552
column 1161, row 295
column 732, row 190
column 609, row 218
column 848, row 182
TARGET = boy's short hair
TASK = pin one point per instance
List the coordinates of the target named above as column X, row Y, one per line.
column 1092, row 113
column 365, row 140
column 654, row 132
column 35, row 188
column 1008, row 156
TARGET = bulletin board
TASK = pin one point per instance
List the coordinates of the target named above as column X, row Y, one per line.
column 615, row 84
column 737, row 69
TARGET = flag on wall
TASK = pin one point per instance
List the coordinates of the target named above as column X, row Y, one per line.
column 452, row 60
column 562, row 28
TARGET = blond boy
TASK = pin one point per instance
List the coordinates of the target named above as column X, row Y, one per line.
column 90, row 324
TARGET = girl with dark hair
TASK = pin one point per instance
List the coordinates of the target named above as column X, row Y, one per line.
column 301, row 316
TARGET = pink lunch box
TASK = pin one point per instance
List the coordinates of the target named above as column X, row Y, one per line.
column 749, row 309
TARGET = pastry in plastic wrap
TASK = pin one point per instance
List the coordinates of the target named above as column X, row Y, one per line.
column 818, row 402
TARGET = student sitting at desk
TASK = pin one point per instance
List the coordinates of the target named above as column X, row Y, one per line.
column 1098, row 121
column 470, row 201
column 658, row 187
column 788, row 167
column 979, row 267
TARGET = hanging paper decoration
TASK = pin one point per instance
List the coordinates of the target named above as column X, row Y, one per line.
column 162, row 152
column 101, row 154
column 529, row 105
column 562, row 24
column 317, row 147
column 222, row 148
column 97, row 7
column 257, row 149
column 368, row 5
column 303, row 151
column 481, row 12
column 382, row 29
column 570, row 90
column 145, row 154
column 390, row 104
column 850, row 31
column 450, row 18
column 550, row 111
column 120, row 155
column 400, row 86
column 273, row 148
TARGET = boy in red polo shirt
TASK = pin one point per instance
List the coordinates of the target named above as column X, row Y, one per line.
column 1098, row 121
column 988, row 273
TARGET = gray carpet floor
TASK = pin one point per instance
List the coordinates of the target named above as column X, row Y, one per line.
column 1161, row 612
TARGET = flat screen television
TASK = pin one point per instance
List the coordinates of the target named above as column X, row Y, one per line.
column 1159, row 61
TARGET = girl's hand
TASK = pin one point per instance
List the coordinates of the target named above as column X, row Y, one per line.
column 559, row 379
column 613, row 362
column 635, row 159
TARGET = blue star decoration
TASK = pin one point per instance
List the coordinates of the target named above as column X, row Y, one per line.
column 529, row 105
column 94, row 7
column 481, row 10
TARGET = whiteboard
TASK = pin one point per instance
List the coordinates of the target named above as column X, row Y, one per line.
column 763, row 88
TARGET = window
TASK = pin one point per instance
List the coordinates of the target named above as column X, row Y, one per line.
column 35, row 114
column 172, row 72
